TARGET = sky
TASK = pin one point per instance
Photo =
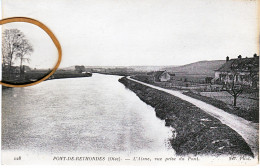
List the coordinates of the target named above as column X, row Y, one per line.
column 137, row 32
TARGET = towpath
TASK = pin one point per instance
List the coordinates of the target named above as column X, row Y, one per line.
column 247, row 129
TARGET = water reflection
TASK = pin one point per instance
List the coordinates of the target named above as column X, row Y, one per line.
column 95, row 115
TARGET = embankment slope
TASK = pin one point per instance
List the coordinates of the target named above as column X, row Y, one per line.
column 198, row 133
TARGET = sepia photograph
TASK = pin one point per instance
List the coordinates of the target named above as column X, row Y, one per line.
column 140, row 82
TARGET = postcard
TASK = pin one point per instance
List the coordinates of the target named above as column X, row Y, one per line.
column 130, row 82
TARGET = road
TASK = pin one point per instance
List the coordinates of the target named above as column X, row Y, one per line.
column 248, row 130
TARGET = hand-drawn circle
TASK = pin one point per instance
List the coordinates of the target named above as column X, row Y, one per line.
column 52, row 36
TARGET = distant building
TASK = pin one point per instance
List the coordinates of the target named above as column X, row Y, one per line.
column 15, row 69
column 208, row 79
column 26, row 68
column 162, row 76
column 80, row 69
column 240, row 71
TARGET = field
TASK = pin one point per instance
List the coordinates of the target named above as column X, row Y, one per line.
column 194, row 85
column 179, row 81
column 243, row 101
column 247, row 104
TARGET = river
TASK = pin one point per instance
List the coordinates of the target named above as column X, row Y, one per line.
column 80, row 115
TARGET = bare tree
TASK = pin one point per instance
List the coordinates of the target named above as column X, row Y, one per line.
column 233, row 88
column 12, row 38
column 15, row 46
column 25, row 48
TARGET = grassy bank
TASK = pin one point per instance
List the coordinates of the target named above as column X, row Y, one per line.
column 251, row 115
column 197, row 132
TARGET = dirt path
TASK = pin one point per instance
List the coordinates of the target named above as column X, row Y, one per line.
column 247, row 129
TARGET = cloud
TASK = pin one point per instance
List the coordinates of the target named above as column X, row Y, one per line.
column 154, row 32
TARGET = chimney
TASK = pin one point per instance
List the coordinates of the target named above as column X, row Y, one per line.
column 239, row 57
column 227, row 58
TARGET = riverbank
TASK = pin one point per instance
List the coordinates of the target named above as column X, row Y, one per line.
column 196, row 132
column 59, row 74
column 33, row 76
column 69, row 75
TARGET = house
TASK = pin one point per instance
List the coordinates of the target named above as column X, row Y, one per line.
column 80, row 69
column 243, row 71
column 162, row 76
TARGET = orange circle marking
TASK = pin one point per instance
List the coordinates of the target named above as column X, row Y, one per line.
column 52, row 36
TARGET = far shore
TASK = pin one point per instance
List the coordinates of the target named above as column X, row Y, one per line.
column 36, row 75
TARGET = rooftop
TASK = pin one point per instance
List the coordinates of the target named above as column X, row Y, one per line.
column 241, row 64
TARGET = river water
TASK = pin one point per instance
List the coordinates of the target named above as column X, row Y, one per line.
column 80, row 115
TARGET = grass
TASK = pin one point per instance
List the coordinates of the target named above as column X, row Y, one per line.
column 197, row 132
column 251, row 114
